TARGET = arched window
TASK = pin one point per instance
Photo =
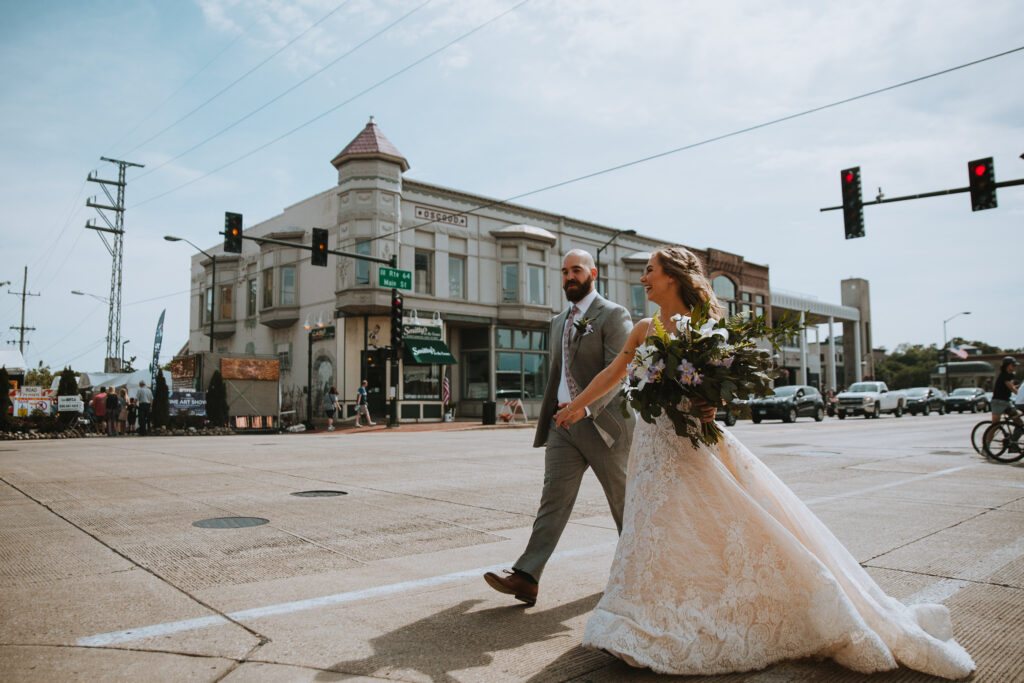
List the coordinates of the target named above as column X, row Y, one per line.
column 725, row 290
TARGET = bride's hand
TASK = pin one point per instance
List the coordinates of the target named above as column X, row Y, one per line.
column 707, row 411
column 567, row 414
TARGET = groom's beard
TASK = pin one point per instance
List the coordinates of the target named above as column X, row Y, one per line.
column 574, row 291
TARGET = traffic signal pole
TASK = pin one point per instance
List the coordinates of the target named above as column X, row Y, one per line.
column 923, row 195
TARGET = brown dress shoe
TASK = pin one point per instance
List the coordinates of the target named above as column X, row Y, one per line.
column 513, row 584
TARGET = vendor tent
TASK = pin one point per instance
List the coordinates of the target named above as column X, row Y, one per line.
column 13, row 361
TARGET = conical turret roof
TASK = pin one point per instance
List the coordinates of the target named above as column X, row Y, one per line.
column 371, row 144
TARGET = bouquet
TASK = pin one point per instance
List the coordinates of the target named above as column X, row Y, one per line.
column 714, row 361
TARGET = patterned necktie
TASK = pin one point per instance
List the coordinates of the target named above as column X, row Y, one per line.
column 569, row 381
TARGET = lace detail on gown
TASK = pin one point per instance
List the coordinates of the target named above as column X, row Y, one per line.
column 721, row 568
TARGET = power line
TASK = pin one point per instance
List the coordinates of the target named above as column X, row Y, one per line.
column 336, row 107
column 706, row 141
column 238, row 80
column 181, row 87
column 285, row 92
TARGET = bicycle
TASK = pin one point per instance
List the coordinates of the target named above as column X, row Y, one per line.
column 1001, row 441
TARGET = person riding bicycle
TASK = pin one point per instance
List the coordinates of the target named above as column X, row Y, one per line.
column 1003, row 391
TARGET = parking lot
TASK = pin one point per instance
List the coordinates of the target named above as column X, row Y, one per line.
column 105, row 575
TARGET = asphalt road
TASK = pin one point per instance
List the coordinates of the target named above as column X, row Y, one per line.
column 105, row 576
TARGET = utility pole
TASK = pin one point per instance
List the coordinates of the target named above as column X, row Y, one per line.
column 112, row 363
column 21, row 328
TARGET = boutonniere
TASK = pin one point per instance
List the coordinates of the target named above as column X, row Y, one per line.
column 583, row 326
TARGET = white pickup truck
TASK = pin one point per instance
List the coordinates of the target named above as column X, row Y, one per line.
column 869, row 399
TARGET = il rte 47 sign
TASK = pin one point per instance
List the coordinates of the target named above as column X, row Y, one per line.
column 394, row 278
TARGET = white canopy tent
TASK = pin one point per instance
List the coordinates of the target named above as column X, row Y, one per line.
column 128, row 380
column 13, row 361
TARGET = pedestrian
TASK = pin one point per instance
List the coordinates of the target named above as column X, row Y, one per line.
column 331, row 407
column 99, row 409
column 593, row 330
column 145, row 398
column 133, row 412
column 113, row 407
column 362, row 406
column 122, row 411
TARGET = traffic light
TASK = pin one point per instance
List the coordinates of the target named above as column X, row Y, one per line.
column 319, row 255
column 853, row 207
column 982, row 176
column 232, row 232
column 396, row 321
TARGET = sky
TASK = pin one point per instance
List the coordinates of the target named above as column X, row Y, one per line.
column 240, row 105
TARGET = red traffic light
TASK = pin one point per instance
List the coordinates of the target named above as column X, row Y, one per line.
column 979, row 170
column 848, row 177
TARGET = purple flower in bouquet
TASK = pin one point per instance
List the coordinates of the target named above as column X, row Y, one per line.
column 724, row 362
column 686, row 373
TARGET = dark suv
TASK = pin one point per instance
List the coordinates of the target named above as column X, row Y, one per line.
column 924, row 400
column 967, row 398
column 789, row 403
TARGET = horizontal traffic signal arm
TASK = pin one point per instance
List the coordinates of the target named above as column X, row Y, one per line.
column 937, row 193
column 392, row 262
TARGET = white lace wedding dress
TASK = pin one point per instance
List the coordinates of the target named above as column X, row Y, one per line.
column 721, row 568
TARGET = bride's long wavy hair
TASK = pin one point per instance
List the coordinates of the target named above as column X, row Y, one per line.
column 683, row 266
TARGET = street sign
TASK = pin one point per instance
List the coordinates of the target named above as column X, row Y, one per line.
column 392, row 277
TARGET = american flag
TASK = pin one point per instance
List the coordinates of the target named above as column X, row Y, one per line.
column 958, row 352
column 446, row 389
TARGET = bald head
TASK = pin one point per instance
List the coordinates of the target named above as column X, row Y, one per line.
column 578, row 274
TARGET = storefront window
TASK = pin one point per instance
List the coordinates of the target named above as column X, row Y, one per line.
column 208, row 307
column 509, row 282
column 424, row 273
column 288, row 286
column 456, row 277
column 422, row 382
column 521, row 375
column 362, row 267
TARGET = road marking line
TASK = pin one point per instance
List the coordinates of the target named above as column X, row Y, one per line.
column 156, row 630
column 890, row 485
column 943, row 590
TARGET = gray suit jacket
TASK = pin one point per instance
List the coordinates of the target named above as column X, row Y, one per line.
column 589, row 354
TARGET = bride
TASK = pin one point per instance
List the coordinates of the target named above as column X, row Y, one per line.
column 720, row 567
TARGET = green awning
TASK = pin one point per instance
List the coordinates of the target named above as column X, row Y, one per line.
column 427, row 351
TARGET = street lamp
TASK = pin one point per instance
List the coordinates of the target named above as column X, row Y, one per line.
column 310, row 328
column 213, row 287
column 597, row 264
column 945, row 350
column 94, row 296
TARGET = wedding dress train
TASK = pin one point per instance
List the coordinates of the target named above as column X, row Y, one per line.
column 721, row 568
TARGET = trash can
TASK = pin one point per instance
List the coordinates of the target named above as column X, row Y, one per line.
column 490, row 412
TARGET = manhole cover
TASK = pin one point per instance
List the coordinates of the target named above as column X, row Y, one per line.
column 230, row 522
column 319, row 494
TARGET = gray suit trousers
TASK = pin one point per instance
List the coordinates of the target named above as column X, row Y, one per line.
column 567, row 455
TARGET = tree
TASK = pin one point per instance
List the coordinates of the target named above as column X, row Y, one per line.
column 217, row 400
column 161, row 402
column 68, row 383
column 39, row 377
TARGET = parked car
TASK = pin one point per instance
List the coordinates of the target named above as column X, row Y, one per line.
column 967, row 398
column 789, row 403
column 924, row 400
column 729, row 413
column 869, row 399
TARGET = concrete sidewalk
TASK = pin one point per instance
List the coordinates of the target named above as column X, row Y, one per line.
column 106, row 577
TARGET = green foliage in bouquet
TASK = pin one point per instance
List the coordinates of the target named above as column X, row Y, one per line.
column 701, row 359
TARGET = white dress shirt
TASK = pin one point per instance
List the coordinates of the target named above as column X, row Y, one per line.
column 563, row 387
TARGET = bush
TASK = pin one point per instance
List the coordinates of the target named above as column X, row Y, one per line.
column 161, row 408
column 185, row 420
column 68, row 386
column 5, row 399
column 217, row 400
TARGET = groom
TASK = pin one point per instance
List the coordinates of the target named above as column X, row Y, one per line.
column 584, row 339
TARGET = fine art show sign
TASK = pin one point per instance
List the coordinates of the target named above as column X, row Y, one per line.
column 425, row 214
